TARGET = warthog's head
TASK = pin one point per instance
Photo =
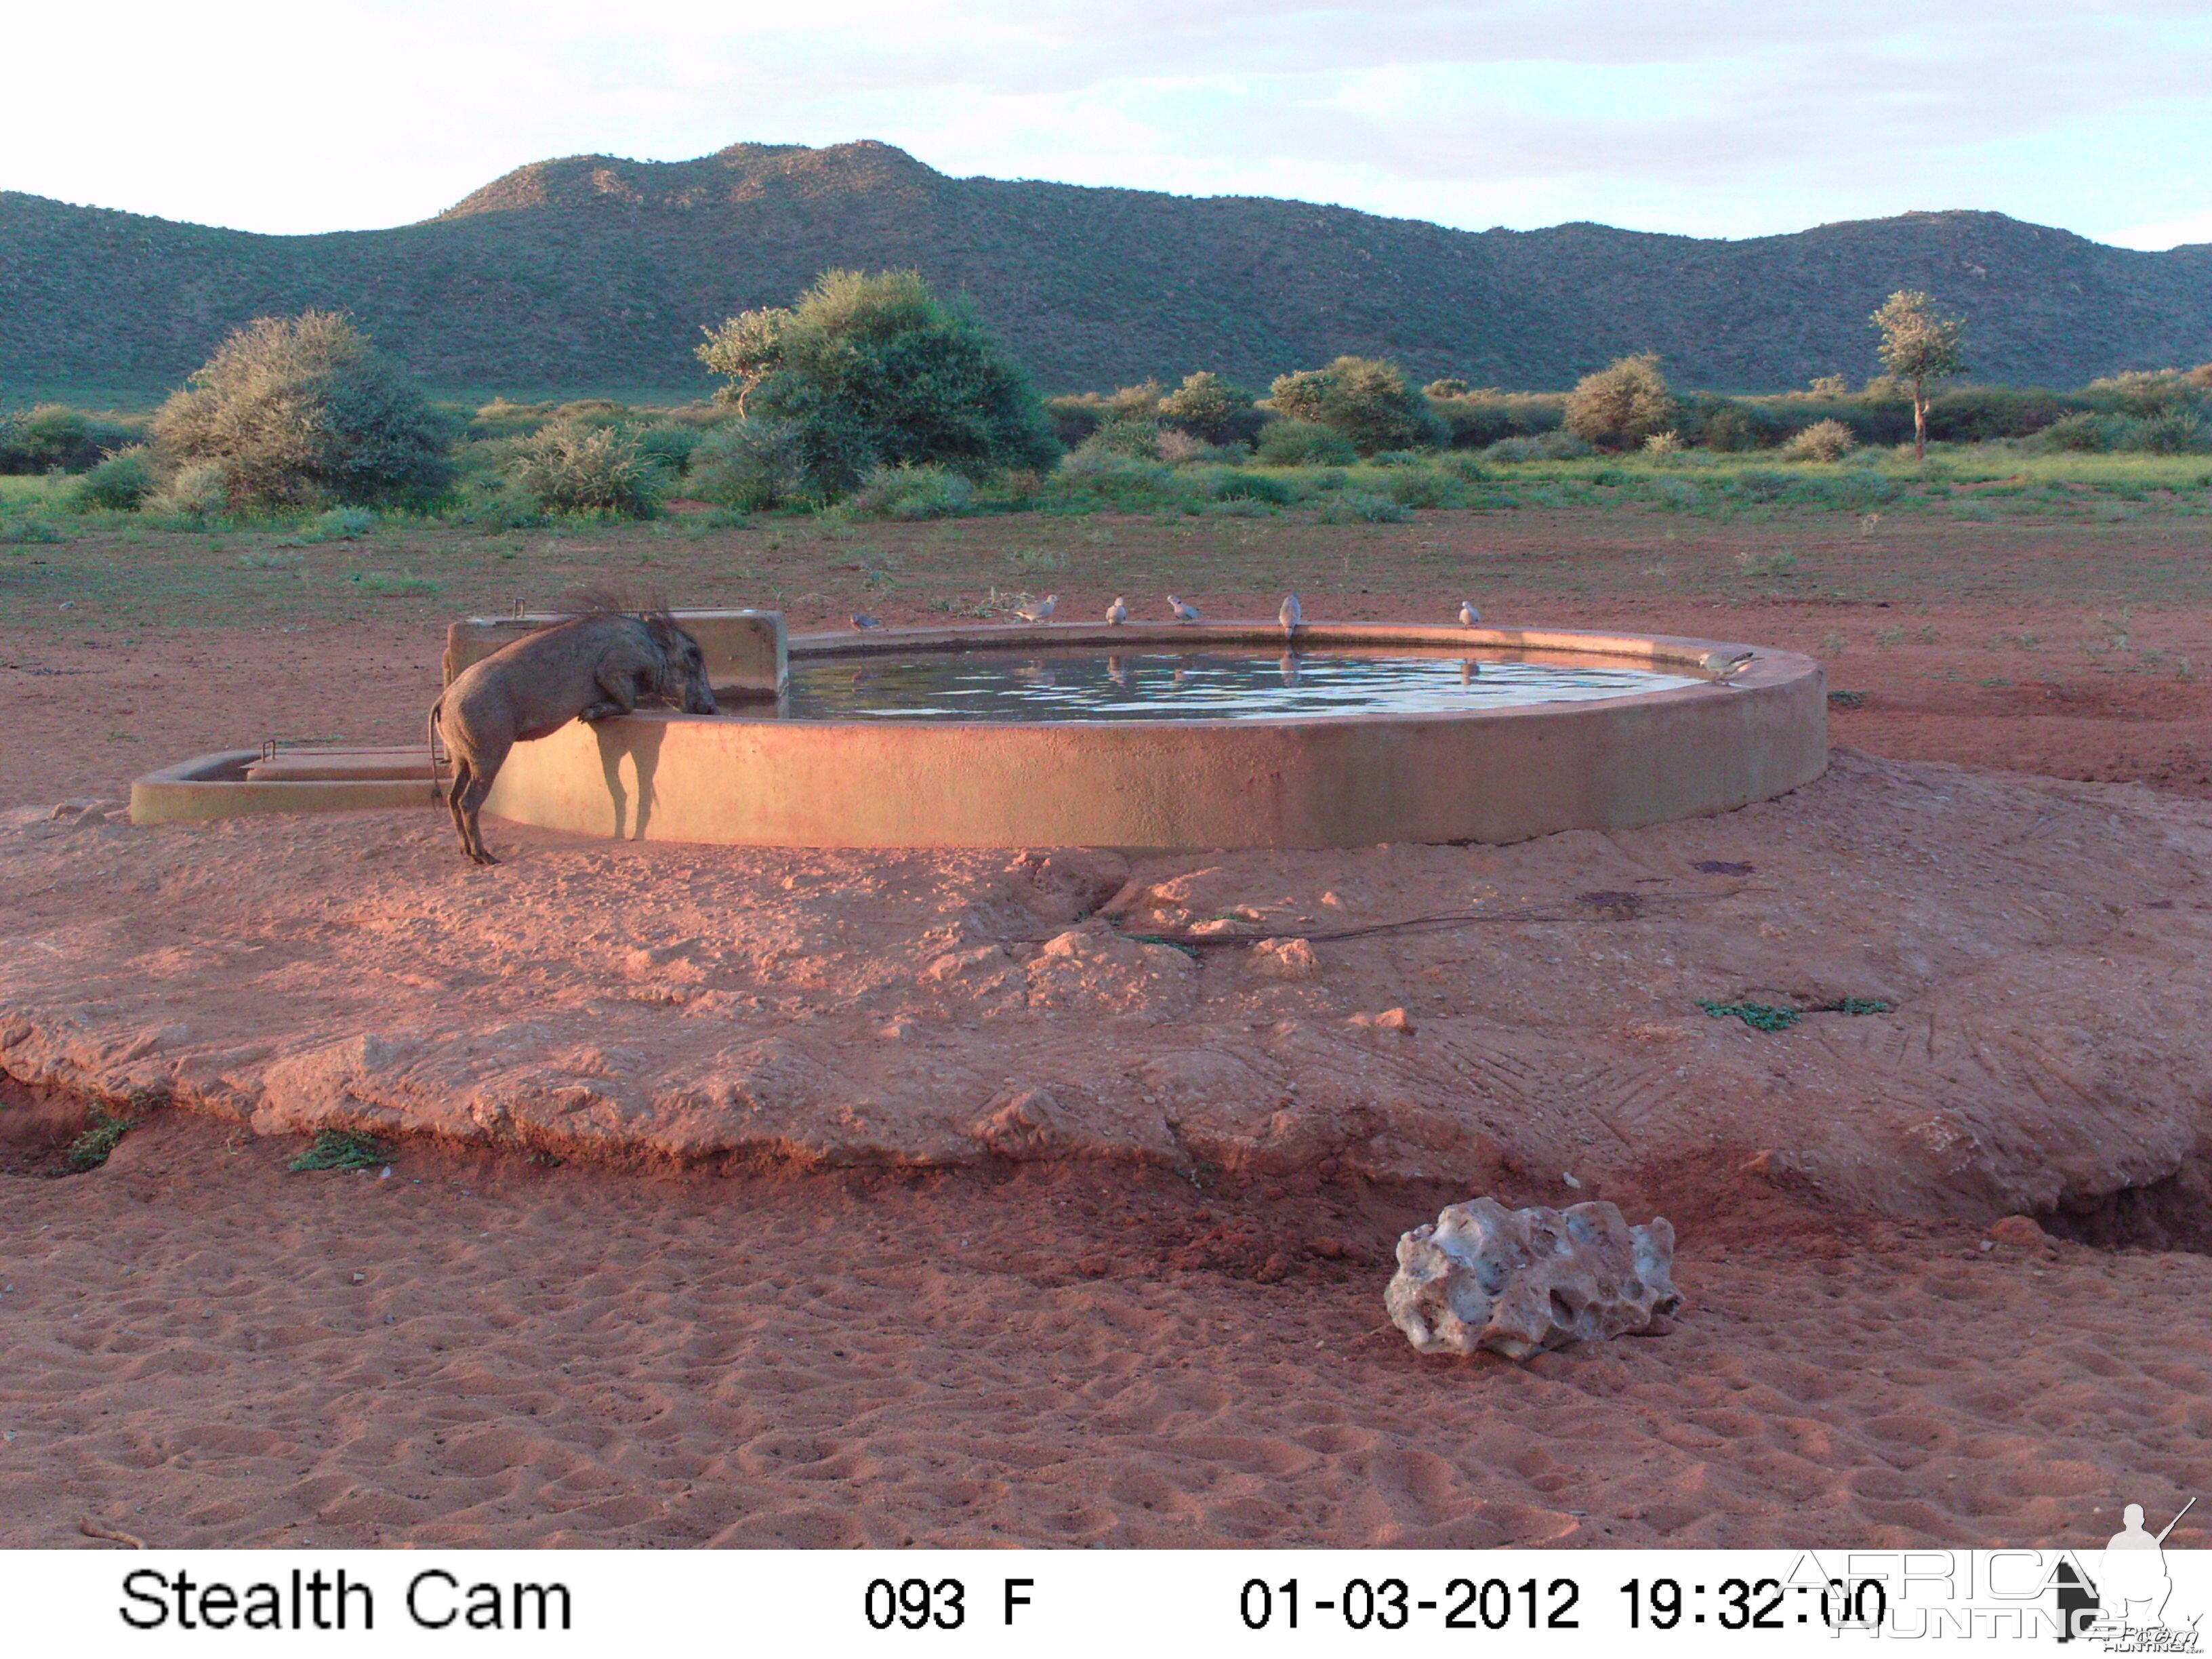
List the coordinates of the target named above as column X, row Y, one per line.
column 683, row 681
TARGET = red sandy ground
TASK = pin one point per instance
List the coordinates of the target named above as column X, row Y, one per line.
column 206, row 1350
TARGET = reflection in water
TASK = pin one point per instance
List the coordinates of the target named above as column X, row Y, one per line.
column 1082, row 684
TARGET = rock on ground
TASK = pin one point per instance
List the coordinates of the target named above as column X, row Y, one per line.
column 1517, row 1281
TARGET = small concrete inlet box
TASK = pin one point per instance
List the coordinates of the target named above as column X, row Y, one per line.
column 744, row 649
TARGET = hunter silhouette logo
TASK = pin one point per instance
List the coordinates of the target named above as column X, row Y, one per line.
column 2121, row 1603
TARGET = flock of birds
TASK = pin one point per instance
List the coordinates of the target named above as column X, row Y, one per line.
column 1291, row 615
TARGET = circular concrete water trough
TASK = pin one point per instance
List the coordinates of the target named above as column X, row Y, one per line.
column 771, row 775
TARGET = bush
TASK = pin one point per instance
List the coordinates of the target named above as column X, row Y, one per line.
column 1228, row 485
column 1363, row 507
column 1291, row 442
column 914, row 492
column 1476, row 420
column 669, row 445
column 52, row 437
column 1365, row 398
column 342, row 524
column 2084, row 432
column 1824, row 441
column 1207, row 407
column 197, row 490
column 754, row 464
column 2177, row 431
column 118, row 484
column 1551, row 447
column 1622, row 405
column 1668, row 442
column 492, row 502
column 1122, row 434
column 1424, row 487
column 301, row 410
column 878, row 370
column 1098, row 478
column 571, row 468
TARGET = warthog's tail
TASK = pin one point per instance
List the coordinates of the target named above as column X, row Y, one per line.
column 436, row 794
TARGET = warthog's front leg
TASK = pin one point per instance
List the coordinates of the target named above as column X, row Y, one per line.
column 618, row 683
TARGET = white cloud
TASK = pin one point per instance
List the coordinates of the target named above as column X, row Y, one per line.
column 1722, row 117
column 2168, row 232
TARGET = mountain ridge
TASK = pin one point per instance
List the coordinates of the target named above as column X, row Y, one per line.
column 592, row 271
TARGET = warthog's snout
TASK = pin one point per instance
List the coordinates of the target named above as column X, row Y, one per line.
column 699, row 701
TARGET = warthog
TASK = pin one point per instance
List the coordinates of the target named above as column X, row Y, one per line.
column 598, row 664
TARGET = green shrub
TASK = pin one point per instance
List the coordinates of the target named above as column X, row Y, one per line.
column 21, row 530
column 1097, row 478
column 1550, row 447
column 1476, row 420
column 1207, row 407
column 1121, row 435
column 1231, row 485
column 342, row 524
column 492, row 502
column 2084, row 432
column 118, row 484
column 914, row 492
column 878, row 370
column 1363, row 507
column 1622, row 404
column 754, row 464
column 2177, row 431
column 1824, row 441
column 54, row 438
column 1424, row 487
column 1468, row 469
column 571, row 468
column 1292, row 442
column 1365, row 398
column 298, row 411
column 669, row 445
column 198, row 490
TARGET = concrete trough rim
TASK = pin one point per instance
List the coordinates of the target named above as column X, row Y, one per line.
column 1295, row 780
column 1767, row 668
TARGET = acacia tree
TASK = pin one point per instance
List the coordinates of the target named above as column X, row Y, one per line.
column 1918, row 346
column 1622, row 404
column 1365, row 398
column 877, row 370
column 300, row 411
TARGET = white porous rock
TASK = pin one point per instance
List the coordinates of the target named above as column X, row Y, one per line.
column 1515, row 1281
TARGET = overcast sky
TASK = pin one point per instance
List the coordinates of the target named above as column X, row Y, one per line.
column 1734, row 118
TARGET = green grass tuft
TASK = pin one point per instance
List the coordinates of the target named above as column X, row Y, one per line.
column 341, row 1149
column 1759, row 1015
column 90, row 1150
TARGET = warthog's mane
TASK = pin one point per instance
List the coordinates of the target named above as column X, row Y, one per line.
column 593, row 599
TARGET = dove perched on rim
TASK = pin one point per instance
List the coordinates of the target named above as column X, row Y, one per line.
column 1468, row 616
column 863, row 620
column 1118, row 612
column 1183, row 610
column 1037, row 610
column 1290, row 616
column 1725, row 664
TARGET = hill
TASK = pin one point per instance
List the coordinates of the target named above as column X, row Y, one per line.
column 594, row 273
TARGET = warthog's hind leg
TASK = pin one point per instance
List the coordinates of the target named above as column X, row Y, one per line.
column 469, row 799
column 453, row 802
